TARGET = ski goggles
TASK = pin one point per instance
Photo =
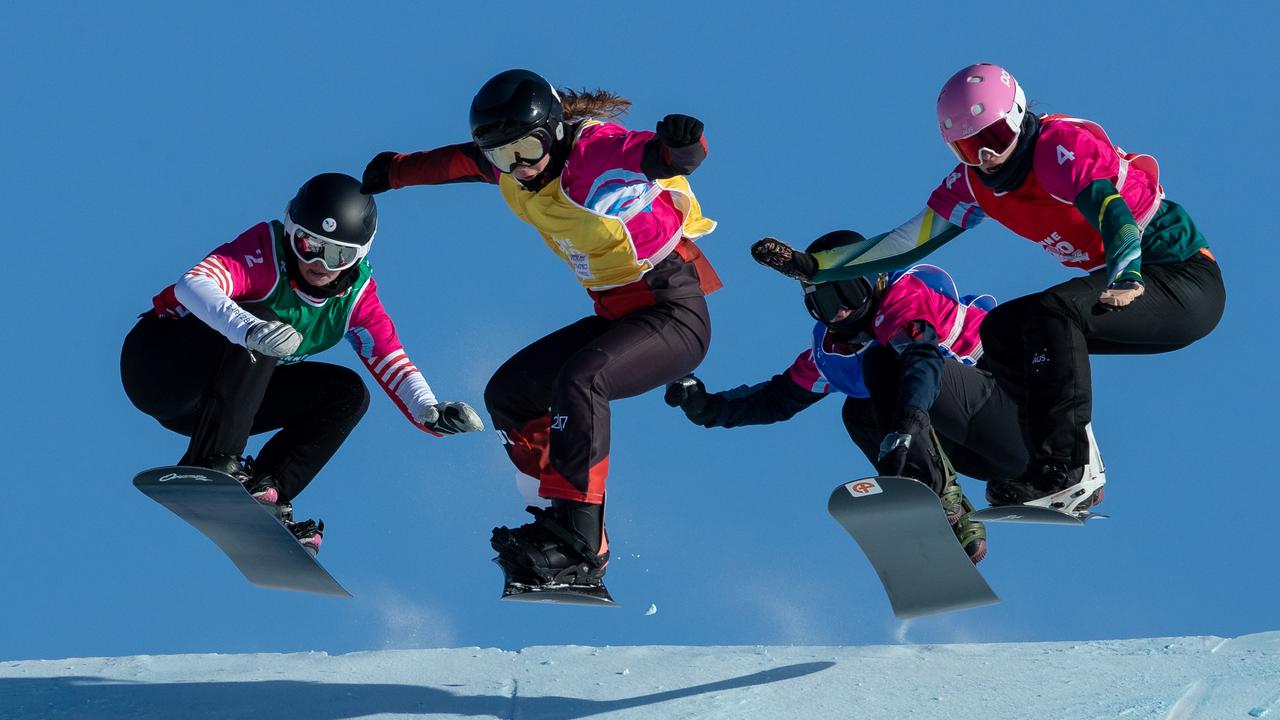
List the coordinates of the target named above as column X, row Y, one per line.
column 824, row 302
column 995, row 138
column 310, row 248
column 527, row 150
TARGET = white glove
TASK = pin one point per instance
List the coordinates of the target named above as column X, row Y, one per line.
column 273, row 339
column 450, row 418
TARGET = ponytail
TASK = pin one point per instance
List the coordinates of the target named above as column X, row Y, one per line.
column 582, row 104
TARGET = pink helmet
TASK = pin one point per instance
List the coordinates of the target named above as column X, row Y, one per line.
column 980, row 108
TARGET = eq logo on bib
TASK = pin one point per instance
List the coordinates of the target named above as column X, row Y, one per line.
column 863, row 488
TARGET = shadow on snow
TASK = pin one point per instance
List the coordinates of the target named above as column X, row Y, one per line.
column 104, row 699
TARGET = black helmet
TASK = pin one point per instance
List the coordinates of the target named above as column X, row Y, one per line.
column 824, row 300
column 331, row 220
column 514, row 103
column 332, row 206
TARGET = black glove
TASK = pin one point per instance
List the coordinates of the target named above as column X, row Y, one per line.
column 912, row 428
column 689, row 394
column 377, row 174
column 677, row 131
column 780, row 256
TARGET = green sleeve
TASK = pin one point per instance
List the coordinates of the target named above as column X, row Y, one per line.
column 1105, row 209
column 894, row 250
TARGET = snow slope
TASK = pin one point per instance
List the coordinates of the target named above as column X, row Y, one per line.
column 1170, row 679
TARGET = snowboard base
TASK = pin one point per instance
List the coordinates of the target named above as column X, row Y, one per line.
column 901, row 527
column 555, row 594
column 560, row 594
column 217, row 505
column 1033, row 515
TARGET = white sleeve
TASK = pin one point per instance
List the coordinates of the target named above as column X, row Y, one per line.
column 416, row 394
column 206, row 299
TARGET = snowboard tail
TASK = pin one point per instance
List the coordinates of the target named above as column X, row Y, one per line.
column 902, row 528
column 259, row 545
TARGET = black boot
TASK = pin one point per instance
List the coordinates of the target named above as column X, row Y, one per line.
column 564, row 545
column 264, row 489
column 308, row 532
column 240, row 468
column 1052, row 485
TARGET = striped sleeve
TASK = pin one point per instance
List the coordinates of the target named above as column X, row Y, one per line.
column 805, row 373
column 953, row 200
column 373, row 336
column 243, row 269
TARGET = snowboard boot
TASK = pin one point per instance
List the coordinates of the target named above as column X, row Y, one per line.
column 240, row 468
column 952, row 495
column 564, row 545
column 308, row 532
column 971, row 534
column 263, row 488
column 1054, row 485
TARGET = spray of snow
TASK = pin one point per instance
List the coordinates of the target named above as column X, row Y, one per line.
column 405, row 624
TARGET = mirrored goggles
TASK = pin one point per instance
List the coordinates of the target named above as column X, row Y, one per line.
column 310, row 248
column 994, row 138
column 528, row 150
column 824, row 302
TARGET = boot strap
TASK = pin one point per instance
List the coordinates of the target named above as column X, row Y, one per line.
column 572, row 539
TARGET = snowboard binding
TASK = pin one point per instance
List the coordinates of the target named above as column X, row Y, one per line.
column 544, row 561
column 969, row 531
column 1071, row 502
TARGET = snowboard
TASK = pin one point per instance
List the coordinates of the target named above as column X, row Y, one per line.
column 555, row 594
column 1033, row 515
column 217, row 505
column 901, row 527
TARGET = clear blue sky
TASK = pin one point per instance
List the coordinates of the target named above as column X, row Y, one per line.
column 136, row 137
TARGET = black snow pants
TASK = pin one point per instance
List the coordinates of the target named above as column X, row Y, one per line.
column 1038, row 346
column 550, row 401
column 194, row 381
column 975, row 420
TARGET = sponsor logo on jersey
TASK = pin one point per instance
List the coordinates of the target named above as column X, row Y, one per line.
column 1063, row 250
column 578, row 260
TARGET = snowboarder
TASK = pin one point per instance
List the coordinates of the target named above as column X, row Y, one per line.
column 615, row 206
column 1152, row 284
column 902, row 348
column 218, row 357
